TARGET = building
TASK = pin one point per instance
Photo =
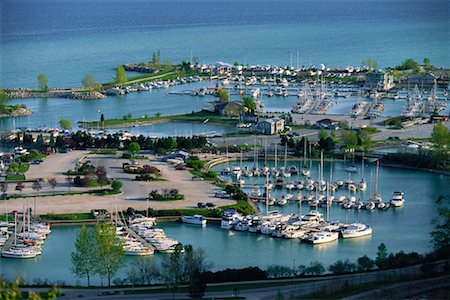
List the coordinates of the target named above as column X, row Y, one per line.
column 179, row 154
column 380, row 81
column 423, row 81
column 327, row 124
column 270, row 126
column 229, row 109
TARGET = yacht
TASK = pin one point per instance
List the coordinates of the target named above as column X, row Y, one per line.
column 19, row 253
column 195, row 219
column 255, row 193
column 351, row 169
column 356, row 230
column 398, row 199
column 323, row 237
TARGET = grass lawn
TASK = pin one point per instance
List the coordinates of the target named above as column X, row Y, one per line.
column 71, row 217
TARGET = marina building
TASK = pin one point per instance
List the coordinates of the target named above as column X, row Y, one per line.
column 270, row 126
column 379, row 81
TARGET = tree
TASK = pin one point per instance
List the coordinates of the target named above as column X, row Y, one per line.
column 101, row 174
column 43, row 82
column 372, row 63
column 172, row 268
column 19, row 187
column 365, row 263
column 315, row 268
column 37, row 187
column 84, row 257
column 278, row 271
column 3, row 98
column 440, row 137
column 250, row 104
column 116, row 185
column 382, row 256
column 144, row 271
column 134, row 148
column 109, row 250
column 195, row 266
column 158, row 57
column 121, row 75
column 350, row 139
column 408, row 64
column 427, row 62
column 441, row 232
column 223, row 95
column 90, row 82
column 65, row 124
column 53, row 183
column 3, row 187
column 69, row 180
column 342, row 267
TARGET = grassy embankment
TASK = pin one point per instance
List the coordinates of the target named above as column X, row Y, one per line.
column 194, row 117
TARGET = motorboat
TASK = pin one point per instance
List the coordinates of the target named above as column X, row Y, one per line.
column 195, row 219
column 351, row 169
column 19, row 253
column 356, row 230
column 322, row 237
column 398, row 199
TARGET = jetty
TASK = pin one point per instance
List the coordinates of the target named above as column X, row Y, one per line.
column 9, row 242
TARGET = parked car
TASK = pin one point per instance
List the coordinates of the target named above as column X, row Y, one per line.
column 201, row 205
column 210, row 205
column 180, row 167
column 197, row 178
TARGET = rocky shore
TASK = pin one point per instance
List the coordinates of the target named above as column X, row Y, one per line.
column 54, row 93
column 22, row 111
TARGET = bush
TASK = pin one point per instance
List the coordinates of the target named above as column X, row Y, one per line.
column 315, row 268
column 365, row 263
column 342, row 267
column 166, row 194
column 234, row 275
column 116, row 185
column 277, row 271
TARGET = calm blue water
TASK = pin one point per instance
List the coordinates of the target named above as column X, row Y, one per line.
column 405, row 228
column 66, row 39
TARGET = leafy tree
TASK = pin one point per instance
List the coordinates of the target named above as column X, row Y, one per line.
column 19, row 187
column 441, row 232
column 43, row 82
column 173, row 269
column 315, row 268
column 134, row 148
column 365, row 263
column 69, row 180
column 427, row 62
column 3, row 187
column 382, row 256
column 250, row 104
column 223, row 95
column 53, row 183
column 84, row 257
column 372, row 63
column 101, row 174
column 40, row 140
column 158, row 57
column 109, row 250
column 65, row 124
column 408, row 64
column 342, row 267
column 121, row 75
column 195, row 266
column 440, row 137
column 144, row 271
column 350, row 139
column 3, row 98
column 90, row 82
column 102, row 118
column 278, row 271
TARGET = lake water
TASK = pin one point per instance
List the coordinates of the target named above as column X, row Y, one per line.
column 68, row 39
column 405, row 228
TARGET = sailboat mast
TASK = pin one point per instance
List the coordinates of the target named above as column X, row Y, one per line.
column 276, row 165
column 376, row 179
column 267, row 193
column 285, row 154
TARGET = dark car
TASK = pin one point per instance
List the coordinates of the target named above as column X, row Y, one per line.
column 201, row 205
column 180, row 167
column 210, row 205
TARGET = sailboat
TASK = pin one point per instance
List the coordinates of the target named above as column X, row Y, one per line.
column 305, row 171
column 376, row 196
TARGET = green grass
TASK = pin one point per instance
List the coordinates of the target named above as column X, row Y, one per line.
column 195, row 117
column 210, row 175
column 113, row 152
column 69, row 217
column 15, row 177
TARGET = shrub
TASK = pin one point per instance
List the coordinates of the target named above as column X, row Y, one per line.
column 116, row 185
column 342, row 267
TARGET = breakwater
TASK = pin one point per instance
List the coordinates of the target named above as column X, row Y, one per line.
column 21, row 93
